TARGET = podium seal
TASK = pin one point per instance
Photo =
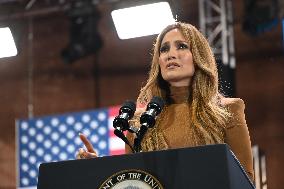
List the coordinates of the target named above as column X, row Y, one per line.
column 131, row 179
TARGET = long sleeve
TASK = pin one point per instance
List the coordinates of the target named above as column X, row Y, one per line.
column 237, row 135
column 130, row 137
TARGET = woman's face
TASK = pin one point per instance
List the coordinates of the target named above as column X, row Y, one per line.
column 175, row 59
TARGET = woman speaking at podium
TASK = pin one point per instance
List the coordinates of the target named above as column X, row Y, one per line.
column 184, row 74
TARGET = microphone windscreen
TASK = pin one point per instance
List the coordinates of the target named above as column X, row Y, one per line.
column 129, row 104
column 159, row 101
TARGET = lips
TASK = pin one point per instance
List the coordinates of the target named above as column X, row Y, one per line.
column 172, row 65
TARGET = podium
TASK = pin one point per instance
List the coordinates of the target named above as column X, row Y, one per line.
column 204, row 167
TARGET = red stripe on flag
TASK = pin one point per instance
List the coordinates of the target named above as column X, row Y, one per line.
column 111, row 134
column 117, row 152
column 113, row 111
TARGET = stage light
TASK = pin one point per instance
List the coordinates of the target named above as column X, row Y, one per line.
column 142, row 20
column 84, row 37
column 7, row 43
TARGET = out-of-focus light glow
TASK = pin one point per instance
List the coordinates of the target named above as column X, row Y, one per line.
column 7, row 43
column 142, row 20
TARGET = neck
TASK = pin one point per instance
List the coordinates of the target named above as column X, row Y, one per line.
column 180, row 83
column 179, row 94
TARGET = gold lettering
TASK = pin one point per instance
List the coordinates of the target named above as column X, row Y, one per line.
column 147, row 178
column 120, row 177
column 134, row 176
column 157, row 186
column 107, row 184
column 150, row 181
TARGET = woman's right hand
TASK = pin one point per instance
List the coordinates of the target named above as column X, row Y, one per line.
column 86, row 154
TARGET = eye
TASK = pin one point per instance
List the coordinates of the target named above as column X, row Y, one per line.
column 182, row 46
column 164, row 49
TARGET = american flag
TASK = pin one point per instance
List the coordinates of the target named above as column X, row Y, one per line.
column 55, row 138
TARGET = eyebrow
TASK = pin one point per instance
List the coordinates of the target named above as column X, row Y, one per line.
column 177, row 41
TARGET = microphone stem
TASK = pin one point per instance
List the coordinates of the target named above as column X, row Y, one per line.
column 120, row 134
column 140, row 135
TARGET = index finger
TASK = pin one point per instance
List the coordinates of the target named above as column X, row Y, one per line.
column 87, row 143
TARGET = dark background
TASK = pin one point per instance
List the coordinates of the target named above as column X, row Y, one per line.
column 118, row 71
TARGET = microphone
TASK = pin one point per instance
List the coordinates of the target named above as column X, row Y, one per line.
column 148, row 120
column 120, row 122
column 154, row 108
column 126, row 112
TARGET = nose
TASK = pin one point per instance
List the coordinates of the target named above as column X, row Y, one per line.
column 172, row 54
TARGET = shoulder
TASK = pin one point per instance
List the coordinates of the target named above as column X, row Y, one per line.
column 236, row 107
column 233, row 104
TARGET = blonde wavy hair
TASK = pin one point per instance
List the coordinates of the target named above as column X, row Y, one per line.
column 206, row 112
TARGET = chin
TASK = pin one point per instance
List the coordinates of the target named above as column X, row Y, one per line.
column 176, row 78
column 172, row 77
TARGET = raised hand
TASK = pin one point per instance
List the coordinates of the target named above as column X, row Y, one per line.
column 86, row 154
